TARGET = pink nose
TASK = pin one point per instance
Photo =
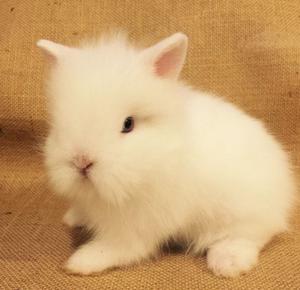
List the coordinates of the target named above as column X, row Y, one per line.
column 82, row 163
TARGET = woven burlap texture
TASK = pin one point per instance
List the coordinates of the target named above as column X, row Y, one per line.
column 247, row 51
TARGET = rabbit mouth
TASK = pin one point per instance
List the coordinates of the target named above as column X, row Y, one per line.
column 85, row 177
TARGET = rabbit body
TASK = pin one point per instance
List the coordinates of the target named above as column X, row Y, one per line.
column 194, row 168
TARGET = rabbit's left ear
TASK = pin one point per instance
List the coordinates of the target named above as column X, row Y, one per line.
column 53, row 50
column 167, row 56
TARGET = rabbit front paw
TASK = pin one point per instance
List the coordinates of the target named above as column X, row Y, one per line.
column 87, row 260
column 72, row 218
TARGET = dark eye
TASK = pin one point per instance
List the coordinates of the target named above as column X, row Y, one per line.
column 128, row 125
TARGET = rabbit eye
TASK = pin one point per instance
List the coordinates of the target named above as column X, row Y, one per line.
column 128, row 125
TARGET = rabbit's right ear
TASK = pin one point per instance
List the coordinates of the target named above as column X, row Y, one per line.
column 53, row 50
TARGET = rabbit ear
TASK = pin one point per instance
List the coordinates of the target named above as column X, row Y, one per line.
column 53, row 50
column 167, row 56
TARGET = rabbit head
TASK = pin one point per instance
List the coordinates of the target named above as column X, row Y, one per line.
column 116, row 115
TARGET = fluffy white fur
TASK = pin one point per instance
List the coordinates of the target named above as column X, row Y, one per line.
column 195, row 168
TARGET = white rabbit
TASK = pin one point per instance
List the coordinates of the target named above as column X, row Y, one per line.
column 144, row 159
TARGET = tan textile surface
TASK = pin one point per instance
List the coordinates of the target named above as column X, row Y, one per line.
column 246, row 50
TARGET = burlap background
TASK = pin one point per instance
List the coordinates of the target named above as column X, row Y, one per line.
column 246, row 50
